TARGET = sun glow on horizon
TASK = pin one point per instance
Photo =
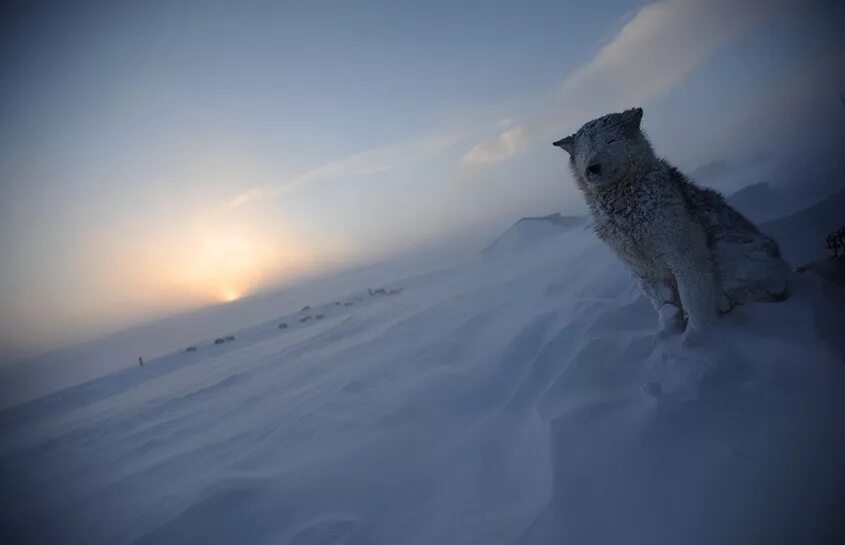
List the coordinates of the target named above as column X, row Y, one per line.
column 214, row 260
column 228, row 295
column 230, row 262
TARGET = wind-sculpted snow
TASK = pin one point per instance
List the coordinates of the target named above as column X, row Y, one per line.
column 523, row 401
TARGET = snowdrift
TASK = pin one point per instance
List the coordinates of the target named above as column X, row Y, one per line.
column 528, row 232
column 526, row 401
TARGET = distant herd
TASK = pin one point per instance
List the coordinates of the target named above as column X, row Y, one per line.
column 377, row 292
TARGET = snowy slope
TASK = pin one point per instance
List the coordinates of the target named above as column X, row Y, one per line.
column 760, row 202
column 528, row 233
column 22, row 381
column 802, row 235
column 526, row 401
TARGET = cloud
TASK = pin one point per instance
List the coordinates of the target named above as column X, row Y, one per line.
column 650, row 55
column 491, row 151
column 656, row 50
column 366, row 163
column 249, row 195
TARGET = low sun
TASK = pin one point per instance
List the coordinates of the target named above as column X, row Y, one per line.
column 226, row 261
column 227, row 295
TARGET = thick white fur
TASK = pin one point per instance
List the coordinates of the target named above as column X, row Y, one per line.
column 694, row 254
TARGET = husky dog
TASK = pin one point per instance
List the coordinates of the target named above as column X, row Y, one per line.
column 694, row 254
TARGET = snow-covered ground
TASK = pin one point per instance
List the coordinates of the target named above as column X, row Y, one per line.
column 524, row 400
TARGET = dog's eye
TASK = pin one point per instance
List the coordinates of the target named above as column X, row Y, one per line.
column 594, row 169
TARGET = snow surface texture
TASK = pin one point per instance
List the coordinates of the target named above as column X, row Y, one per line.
column 523, row 401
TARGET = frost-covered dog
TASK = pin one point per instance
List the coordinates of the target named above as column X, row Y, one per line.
column 695, row 255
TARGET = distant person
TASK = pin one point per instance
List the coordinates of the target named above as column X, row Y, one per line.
column 140, row 361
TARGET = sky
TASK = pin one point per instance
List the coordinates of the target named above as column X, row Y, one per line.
column 157, row 157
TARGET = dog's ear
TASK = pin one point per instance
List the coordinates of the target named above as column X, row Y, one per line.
column 632, row 118
column 567, row 144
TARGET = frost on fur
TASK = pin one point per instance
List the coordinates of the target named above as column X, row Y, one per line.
column 692, row 252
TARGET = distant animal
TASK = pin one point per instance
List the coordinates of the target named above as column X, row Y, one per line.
column 219, row 341
column 283, row 325
column 191, row 349
column 694, row 254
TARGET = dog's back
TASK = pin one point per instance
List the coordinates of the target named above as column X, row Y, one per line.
column 747, row 262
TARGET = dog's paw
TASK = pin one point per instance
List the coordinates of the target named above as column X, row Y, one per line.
column 670, row 319
column 694, row 335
